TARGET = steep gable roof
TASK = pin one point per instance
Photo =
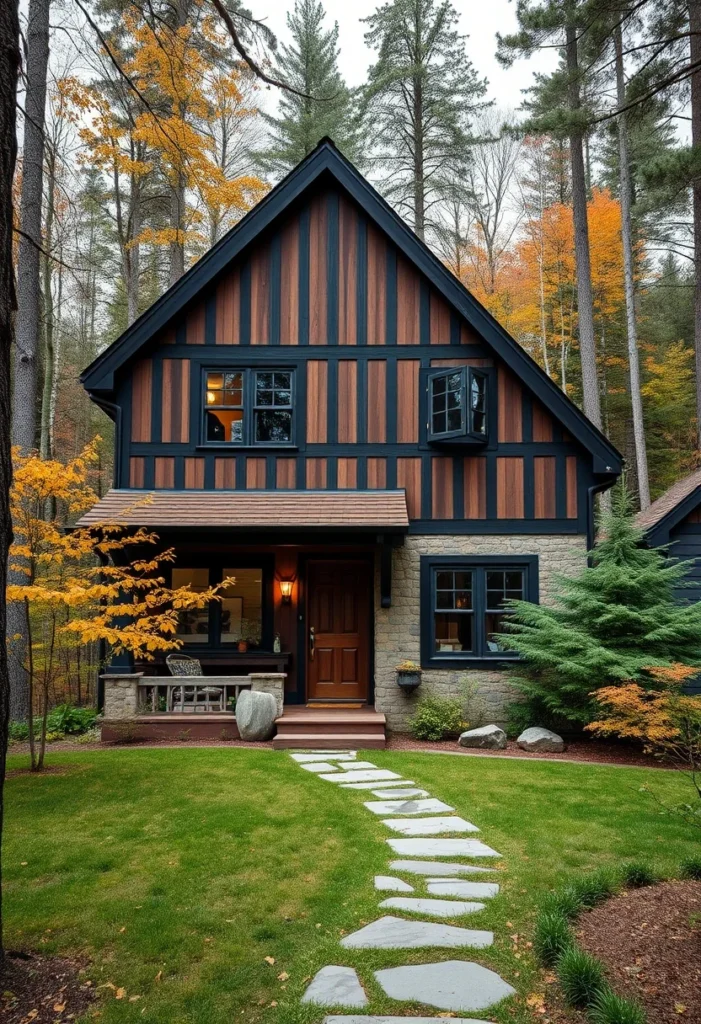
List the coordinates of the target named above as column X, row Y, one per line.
column 670, row 508
column 323, row 163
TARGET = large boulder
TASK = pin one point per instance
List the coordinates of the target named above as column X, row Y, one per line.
column 256, row 712
column 543, row 740
column 488, row 737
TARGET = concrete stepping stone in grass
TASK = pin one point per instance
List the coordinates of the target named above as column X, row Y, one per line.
column 378, row 775
column 356, row 766
column 435, row 867
column 429, row 826
column 430, row 806
column 398, row 933
column 371, row 785
column 309, row 758
column 432, row 908
column 385, row 883
column 399, row 794
column 461, row 889
column 357, row 1019
column 335, row 986
column 451, row 985
column 320, row 766
column 441, row 848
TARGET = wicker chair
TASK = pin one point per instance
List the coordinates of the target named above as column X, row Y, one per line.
column 195, row 696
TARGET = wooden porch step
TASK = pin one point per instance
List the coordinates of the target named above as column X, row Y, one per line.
column 313, row 728
column 329, row 741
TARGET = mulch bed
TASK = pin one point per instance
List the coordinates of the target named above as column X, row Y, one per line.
column 650, row 942
column 42, row 990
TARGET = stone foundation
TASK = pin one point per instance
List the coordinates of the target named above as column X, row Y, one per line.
column 397, row 629
column 121, row 696
column 270, row 682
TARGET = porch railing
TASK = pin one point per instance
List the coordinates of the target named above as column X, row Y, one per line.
column 159, row 695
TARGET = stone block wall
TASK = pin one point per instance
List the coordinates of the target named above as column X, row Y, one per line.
column 121, row 696
column 397, row 629
column 270, row 682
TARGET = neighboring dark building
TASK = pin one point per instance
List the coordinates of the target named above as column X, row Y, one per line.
column 319, row 406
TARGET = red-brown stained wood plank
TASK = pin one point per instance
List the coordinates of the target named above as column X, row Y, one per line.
column 347, row 401
column 408, row 304
column 440, row 320
column 194, row 473
column 175, row 401
column 542, row 423
column 255, row 474
column 442, row 487
column 228, row 309
column 571, row 474
column 225, row 474
column 168, row 337
column 141, row 400
column 164, row 471
column 289, row 284
column 407, row 401
column 693, row 517
column 286, row 474
column 409, row 477
column 316, row 474
column 318, row 284
column 510, row 497
column 317, row 378
column 468, row 336
column 137, row 471
column 377, row 473
column 377, row 401
column 194, row 325
column 510, row 404
column 347, row 473
column 437, row 363
column 377, row 288
column 544, row 486
column 260, row 296
column 347, row 273
column 475, row 487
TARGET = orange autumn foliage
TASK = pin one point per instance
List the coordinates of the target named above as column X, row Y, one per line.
column 658, row 716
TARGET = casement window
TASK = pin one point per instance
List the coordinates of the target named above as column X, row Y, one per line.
column 249, row 407
column 458, row 405
column 244, row 612
column 464, row 604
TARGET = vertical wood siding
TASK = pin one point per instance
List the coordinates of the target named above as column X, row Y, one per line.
column 510, row 496
column 286, row 474
column 440, row 320
column 509, row 406
column 377, row 401
column 164, row 472
column 408, row 304
column 347, row 473
column 377, row 287
column 194, row 325
column 409, row 477
column 137, row 471
column 260, row 296
column 347, row 401
column 316, row 474
column 141, row 384
column 377, row 473
column 571, row 474
column 544, row 486
column 225, row 474
column 318, row 271
column 289, row 285
column 175, row 401
column 255, row 474
column 475, row 487
column 347, row 274
column 542, row 423
column 194, row 473
column 442, row 487
column 317, row 383
column 228, row 309
column 408, row 401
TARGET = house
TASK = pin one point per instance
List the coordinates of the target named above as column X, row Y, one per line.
column 674, row 520
column 319, row 409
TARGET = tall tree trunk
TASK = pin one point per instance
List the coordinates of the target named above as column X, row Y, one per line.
column 177, row 188
column 418, row 114
column 48, row 307
column 9, row 69
column 24, row 409
column 695, row 58
column 629, row 279
column 585, row 302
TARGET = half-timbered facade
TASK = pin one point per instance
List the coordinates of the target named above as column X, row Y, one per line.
column 320, row 410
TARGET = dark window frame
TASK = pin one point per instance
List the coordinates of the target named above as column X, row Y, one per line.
column 479, row 565
column 250, row 407
column 464, row 436
column 213, row 641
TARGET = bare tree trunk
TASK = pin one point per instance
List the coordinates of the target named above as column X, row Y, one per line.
column 585, row 302
column 48, row 305
column 177, row 223
column 695, row 58
column 9, row 69
column 24, row 407
column 629, row 280
column 419, row 185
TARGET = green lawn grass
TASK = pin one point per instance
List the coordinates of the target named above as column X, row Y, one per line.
column 175, row 872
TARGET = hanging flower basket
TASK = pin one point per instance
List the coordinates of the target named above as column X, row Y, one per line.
column 408, row 676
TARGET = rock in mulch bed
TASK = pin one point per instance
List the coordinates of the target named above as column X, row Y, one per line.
column 650, row 942
column 43, row 990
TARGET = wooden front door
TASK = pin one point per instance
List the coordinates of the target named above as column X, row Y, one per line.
column 338, row 630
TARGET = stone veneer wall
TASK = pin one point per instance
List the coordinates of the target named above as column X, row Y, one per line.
column 397, row 628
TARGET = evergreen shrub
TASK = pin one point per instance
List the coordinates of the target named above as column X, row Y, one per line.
column 436, row 717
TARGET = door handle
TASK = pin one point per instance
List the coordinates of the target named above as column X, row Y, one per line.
column 312, row 641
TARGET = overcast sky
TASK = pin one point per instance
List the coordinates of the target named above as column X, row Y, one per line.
column 479, row 19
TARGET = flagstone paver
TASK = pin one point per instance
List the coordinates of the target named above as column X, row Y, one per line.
column 380, row 782
column 399, row 794
column 442, row 848
column 397, row 933
column 354, row 766
column 335, row 986
column 378, row 775
column 320, row 766
column 355, row 1018
column 434, row 908
column 430, row 806
column 386, row 883
column 429, row 826
column 309, row 758
column 436, row 867
column 465, row 890
column 451, row 985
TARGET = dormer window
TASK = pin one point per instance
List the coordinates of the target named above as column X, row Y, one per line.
column 457, row 405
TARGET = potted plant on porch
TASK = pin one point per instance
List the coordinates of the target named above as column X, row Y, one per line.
column 408, row 676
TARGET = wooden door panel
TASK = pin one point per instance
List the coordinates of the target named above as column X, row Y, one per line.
column 338, row 608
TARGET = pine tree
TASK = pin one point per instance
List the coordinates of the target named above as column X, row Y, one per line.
column 326, row 106
column 421, row 94
column 608, row 626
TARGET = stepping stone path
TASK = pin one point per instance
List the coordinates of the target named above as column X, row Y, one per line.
column 449, row 985
column 336, row 986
